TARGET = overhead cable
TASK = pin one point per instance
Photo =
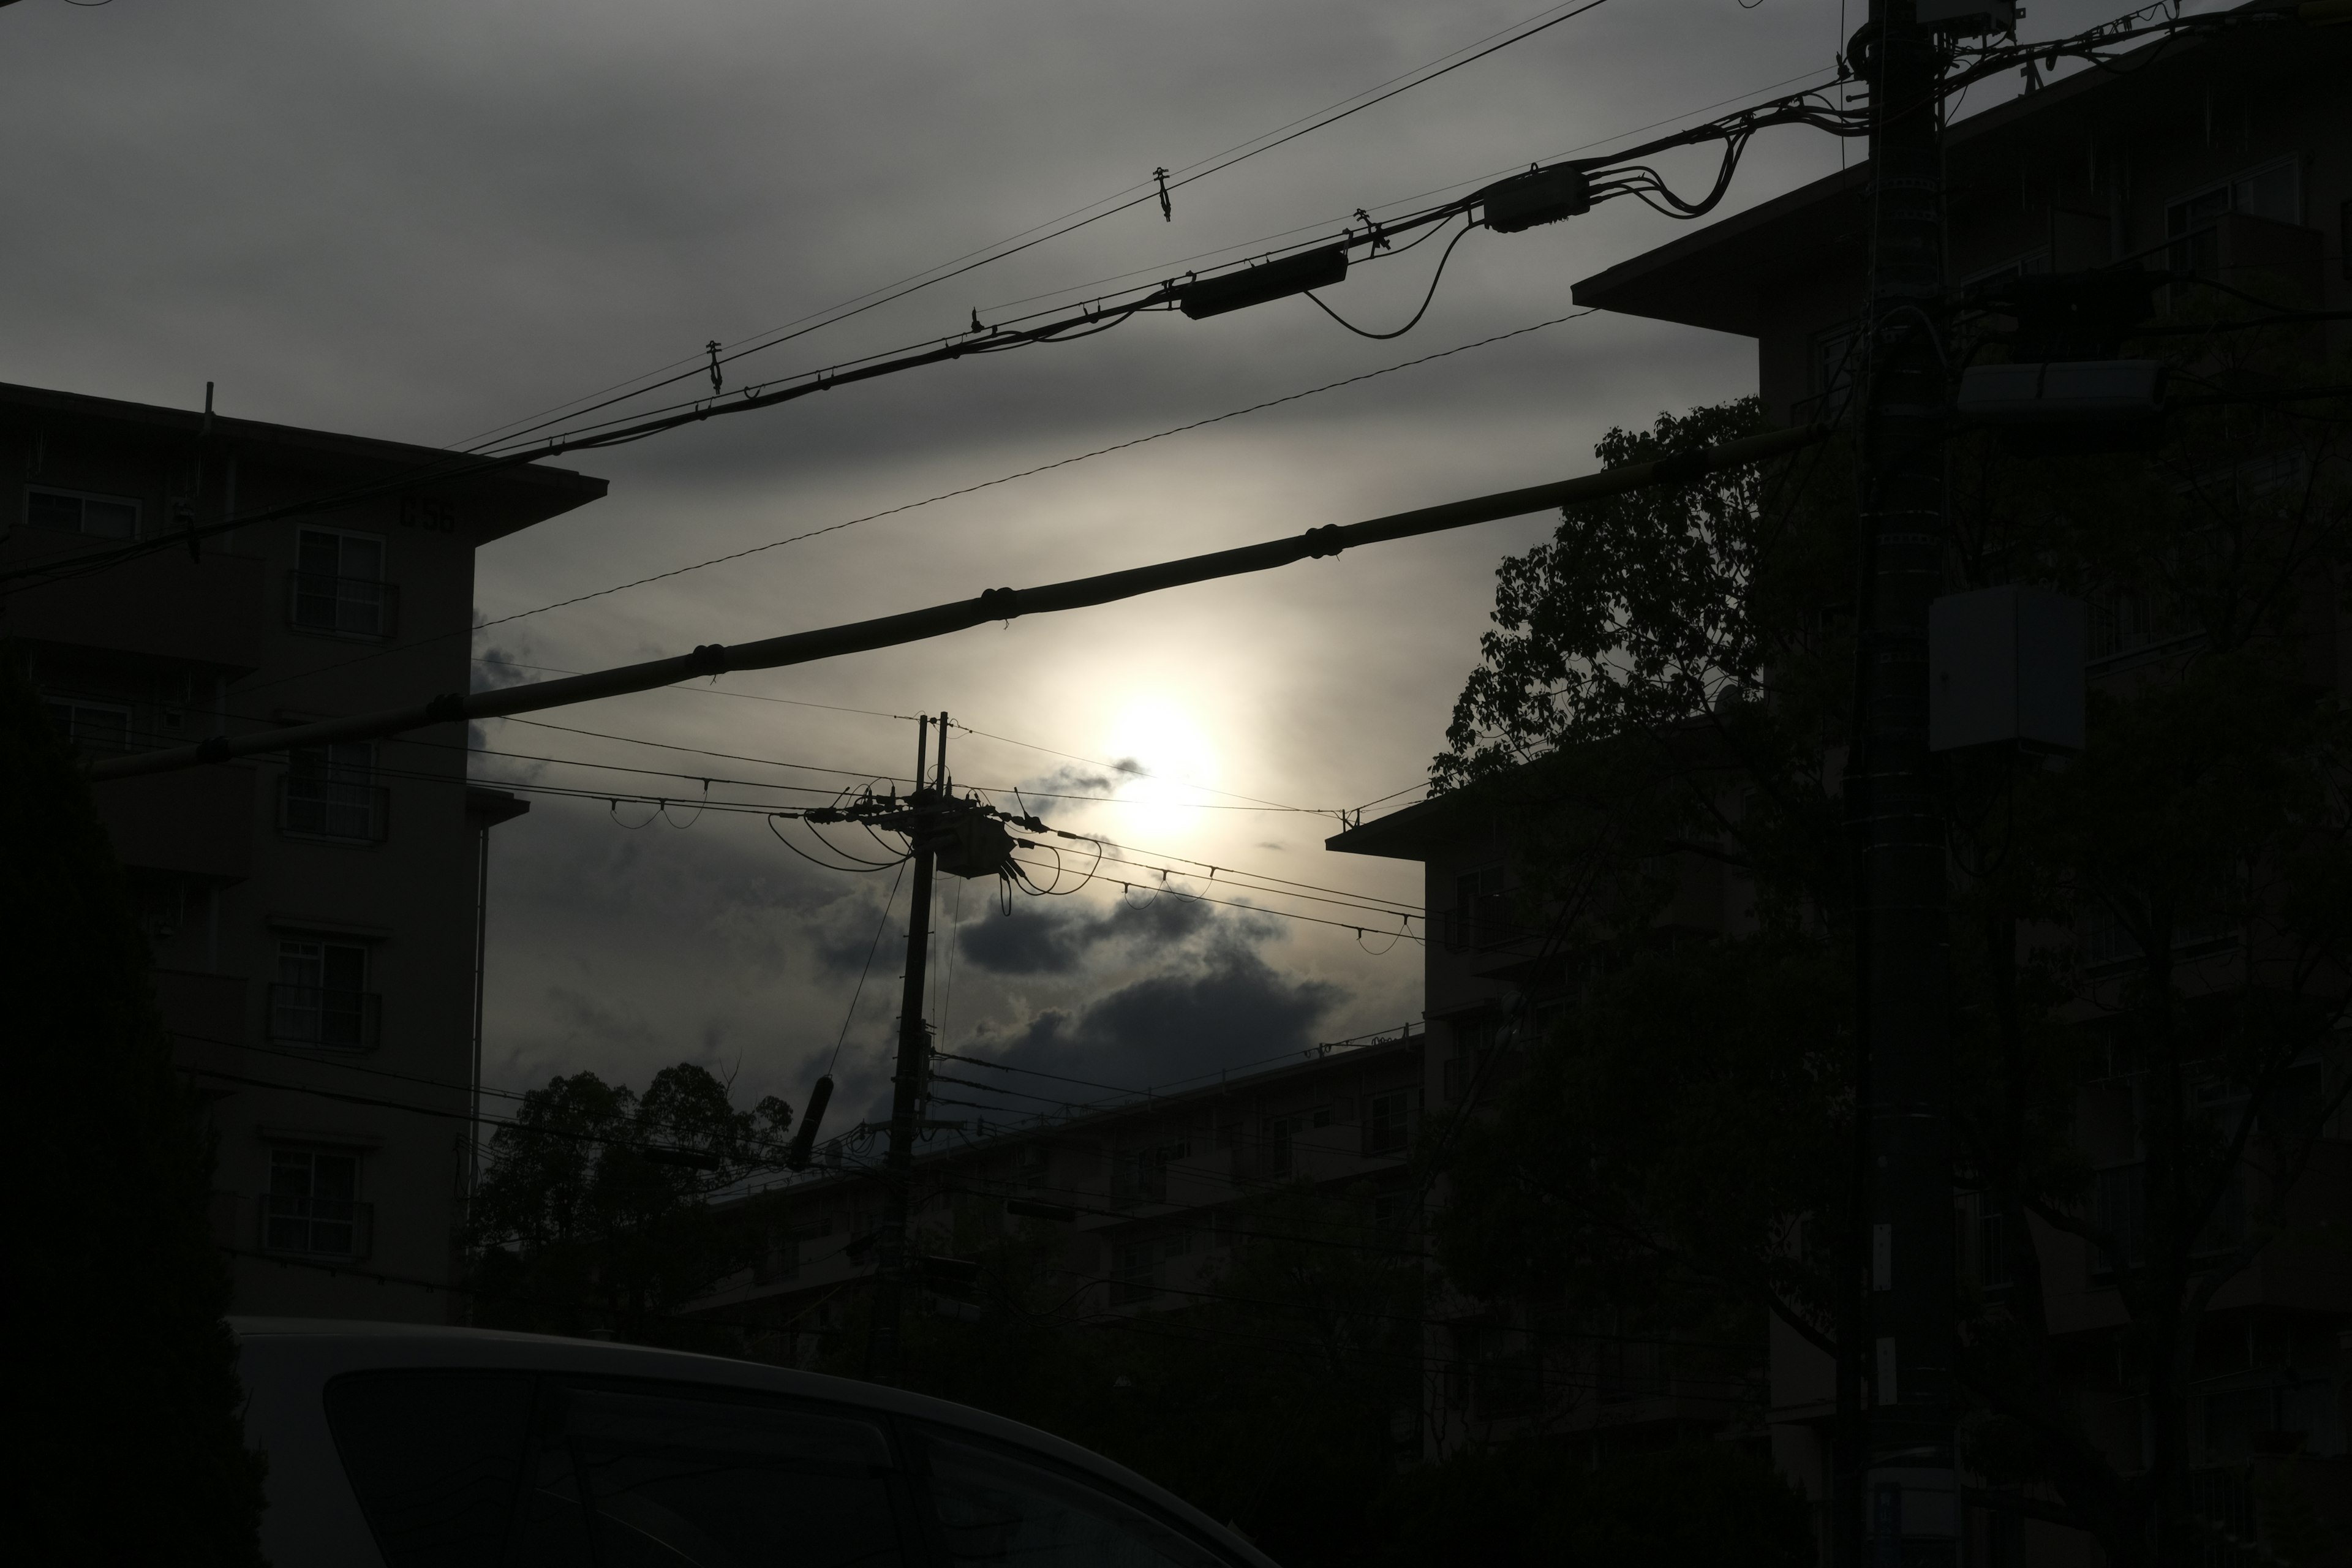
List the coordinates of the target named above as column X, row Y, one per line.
column 995, row 604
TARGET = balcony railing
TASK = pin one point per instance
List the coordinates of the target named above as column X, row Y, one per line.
column 345, row 606
column 317, row 1228
column 319, row 1015
column 329, row 807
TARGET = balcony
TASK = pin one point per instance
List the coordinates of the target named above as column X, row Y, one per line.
column 317, row 1015
column 198, row 823
column 314, row 807
column 200, row 1006
column 317, row 1228
column 213, row 610
column 361, row 608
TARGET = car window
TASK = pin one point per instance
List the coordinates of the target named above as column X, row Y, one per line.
column 506, row 1470
column 435, row 1458
column 681, row 1482
column 991, row 1509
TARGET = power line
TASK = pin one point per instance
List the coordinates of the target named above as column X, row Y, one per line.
column 932, row 499
column 1125, row 200
column 995, row 604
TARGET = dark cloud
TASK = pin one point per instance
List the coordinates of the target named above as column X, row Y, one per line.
column 498, row 667
column 1040, row 938
column 1231, row 1009
column 1085, row 778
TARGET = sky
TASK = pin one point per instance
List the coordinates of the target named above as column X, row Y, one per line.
column 431, row 220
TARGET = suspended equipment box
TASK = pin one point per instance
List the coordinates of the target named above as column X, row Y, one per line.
column 2005, row 667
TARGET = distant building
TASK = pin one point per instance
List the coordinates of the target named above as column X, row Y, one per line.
column 1148, row 1194
column 315, row 918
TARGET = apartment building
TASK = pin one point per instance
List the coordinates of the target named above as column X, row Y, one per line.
column 1495, row 977
column 315, row 918
column 2230, row 159
column 1146, row 1197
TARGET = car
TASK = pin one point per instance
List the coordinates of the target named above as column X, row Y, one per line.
column 408, row 1444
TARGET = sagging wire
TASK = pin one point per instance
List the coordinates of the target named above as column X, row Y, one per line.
column 613, row 806
column 698, row 808
column 772, row 818
column 872, row 948
column 1426, row 300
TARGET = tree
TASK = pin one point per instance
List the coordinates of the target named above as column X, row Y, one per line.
column 595, row 1212
column 122, row 1379
column 2161, row 920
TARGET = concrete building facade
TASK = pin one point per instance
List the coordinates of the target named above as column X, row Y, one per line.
column 315, row 918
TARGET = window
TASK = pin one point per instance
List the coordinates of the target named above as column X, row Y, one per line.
column 72, row 511
column 995, row 1511
column 1141, row 1174
column 679, row 1480
column 1394, row 1210
column 1472, row 1039
column 1135, row 1266
column 488, row 1469
column 338, row 585
column 2274, row 192
column 312, row 1206
column 1481, row 916
column 91, row 726
column 322, row 996
column 1983, row 1235
column 1279, row 1132
column 1388, row 1122
column 330, row 792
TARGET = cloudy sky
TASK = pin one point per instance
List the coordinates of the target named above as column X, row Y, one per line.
column 431, row 220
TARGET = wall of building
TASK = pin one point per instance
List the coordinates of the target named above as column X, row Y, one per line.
column 312, row 919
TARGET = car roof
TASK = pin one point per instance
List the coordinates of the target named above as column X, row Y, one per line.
column 367, row 1346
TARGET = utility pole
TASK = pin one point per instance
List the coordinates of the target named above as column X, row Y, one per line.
column 913, row 1069
column 1909, row 1492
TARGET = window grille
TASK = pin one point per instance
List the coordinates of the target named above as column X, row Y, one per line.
column 330, row 792
column 312, row 1207
column 338, row 585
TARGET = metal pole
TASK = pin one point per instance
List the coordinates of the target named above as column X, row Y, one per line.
column 1912, row 1493
column 905, row 1092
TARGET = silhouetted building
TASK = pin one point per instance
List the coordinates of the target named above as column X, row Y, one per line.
column 2228, row 159
column 1496, row 973
column 315, row 918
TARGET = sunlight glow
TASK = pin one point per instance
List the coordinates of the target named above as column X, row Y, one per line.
column 1160, row 734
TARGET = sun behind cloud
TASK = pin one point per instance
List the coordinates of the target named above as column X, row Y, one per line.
column 1172, row 765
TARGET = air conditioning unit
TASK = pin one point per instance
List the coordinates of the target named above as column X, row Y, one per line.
column 2005, row 667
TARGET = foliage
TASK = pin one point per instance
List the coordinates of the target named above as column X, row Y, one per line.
column 1698, row 1505
column 1718, row 1049
column 594, row 1214
column 123, row 1375
column 2161, row 922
